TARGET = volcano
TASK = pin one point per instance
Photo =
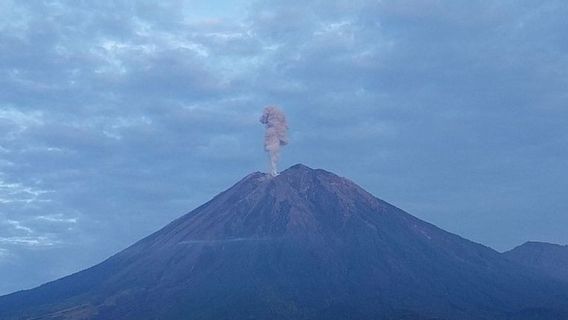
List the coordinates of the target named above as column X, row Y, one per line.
column 306, row 244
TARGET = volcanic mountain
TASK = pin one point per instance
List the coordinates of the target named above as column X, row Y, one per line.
column 305, row 244
column 547, row 258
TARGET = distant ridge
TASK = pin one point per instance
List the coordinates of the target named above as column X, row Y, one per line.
column 548, row 258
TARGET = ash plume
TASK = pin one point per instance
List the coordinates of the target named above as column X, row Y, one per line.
column 276, row 135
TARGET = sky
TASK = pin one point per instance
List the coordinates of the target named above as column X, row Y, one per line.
column 117, row 117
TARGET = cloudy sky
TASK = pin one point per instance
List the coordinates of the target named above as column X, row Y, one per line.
column 118, row 116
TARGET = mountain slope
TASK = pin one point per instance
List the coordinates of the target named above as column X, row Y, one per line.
column 306, row 244
column 550, row 259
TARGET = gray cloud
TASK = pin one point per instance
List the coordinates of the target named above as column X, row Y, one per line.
column 111, row 114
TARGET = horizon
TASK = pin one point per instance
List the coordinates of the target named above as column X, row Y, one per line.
column 118, row 117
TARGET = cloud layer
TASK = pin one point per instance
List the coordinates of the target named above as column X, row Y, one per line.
column 111, row 114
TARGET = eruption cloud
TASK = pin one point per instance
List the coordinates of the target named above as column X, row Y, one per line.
column 276, row 135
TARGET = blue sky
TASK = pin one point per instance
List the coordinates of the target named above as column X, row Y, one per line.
column 118, row 116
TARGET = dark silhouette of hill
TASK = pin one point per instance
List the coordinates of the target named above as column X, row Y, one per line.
column 547, row 258
column 306, row 244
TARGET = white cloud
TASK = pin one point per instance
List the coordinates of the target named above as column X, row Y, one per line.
column 19, row 193
column 58, row 218
column 29, row 241
column 20, row 119
column 19, row 226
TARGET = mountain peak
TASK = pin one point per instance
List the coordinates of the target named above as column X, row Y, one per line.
column 297, row 179
column 547, row 258
column 299, row 167
column 293, row 171
column 286, row 203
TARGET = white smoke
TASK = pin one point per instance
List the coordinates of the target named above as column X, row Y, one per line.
column 276, row 135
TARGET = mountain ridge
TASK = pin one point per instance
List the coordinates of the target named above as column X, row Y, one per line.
column 306, row 244
column 547, row 258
